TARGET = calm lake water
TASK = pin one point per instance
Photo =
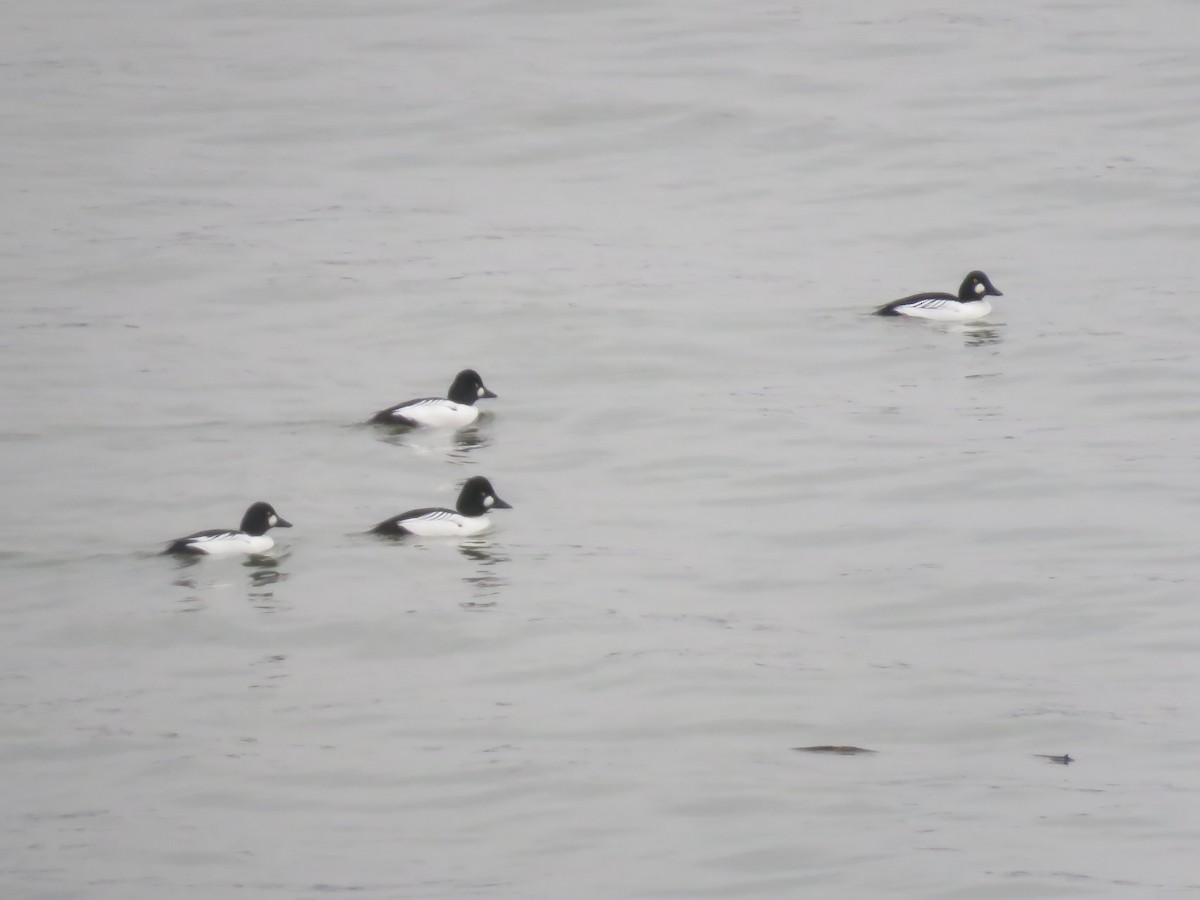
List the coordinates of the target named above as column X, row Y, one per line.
column 747, row 517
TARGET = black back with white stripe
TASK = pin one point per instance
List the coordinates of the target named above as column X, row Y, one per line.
column 975, row 286
column 466, row 388
column 260, row 518
column 475, row 499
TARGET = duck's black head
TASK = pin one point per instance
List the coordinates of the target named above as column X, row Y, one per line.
column 478, row 496
column 976, row 286
column 261, row 517
column 467, row 387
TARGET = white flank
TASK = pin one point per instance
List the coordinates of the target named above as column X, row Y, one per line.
column 947, row 310
column 443, row 524
column 232, row 542
column 439, row 413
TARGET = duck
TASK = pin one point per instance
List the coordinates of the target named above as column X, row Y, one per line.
column 250, row 537
column 970, row 305
column 455, row 410
column 469, row 516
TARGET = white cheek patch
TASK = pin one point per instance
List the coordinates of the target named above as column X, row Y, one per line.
column 482, row 390
column 274, row 520
column 489, row 501
column 979, row 288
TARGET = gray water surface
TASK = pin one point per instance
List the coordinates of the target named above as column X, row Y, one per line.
column 747, row 517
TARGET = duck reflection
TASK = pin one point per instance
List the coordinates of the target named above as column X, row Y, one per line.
column 486, row 579
column 980, row 335
column 455, row 445
column 265, row 572
column 466, row 442
column 199, row 577
column 182, row 564
column 186, row 578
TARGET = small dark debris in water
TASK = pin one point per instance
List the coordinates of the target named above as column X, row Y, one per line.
column 844, row 750
column 1065, row 760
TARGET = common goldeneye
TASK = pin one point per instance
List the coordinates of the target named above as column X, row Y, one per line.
column 469, row 516
column 970, row 304
column 454, row 410
column 250, row 538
